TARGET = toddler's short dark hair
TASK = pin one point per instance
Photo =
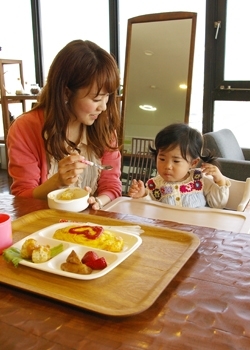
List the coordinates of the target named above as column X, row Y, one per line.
column 188, row 139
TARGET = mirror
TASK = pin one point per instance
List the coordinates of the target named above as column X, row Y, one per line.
column 159, row 58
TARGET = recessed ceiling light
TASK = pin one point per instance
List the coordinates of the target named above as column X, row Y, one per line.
column 148, row 53
column 183, row 86
column 148, row 108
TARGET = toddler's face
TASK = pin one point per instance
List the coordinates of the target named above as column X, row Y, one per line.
column 171, row 166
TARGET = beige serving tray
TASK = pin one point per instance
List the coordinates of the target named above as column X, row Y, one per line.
column 130, row 288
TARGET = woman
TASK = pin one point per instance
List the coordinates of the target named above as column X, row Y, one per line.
column 76, row 118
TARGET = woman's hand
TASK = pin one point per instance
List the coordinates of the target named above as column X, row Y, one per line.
column 69, row 168
column 98, row 202
column 93, row 202
column 137, row 189
column 210, row 169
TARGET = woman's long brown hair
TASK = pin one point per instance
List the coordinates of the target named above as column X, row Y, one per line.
column 80, row 64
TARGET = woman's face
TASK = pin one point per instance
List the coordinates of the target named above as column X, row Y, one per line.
column 86, row 107
column 171, row 166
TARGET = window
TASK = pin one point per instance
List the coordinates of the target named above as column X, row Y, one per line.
column 16, row 42
column 63, row 21
column 227, row 92
column 232, row 53
column 237, row 55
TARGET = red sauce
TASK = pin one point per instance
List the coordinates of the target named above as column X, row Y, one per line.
column 90, row 232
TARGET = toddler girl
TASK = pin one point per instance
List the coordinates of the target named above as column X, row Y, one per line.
column 179, row 181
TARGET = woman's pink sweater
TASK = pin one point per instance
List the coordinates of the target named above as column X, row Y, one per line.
column 28, row 165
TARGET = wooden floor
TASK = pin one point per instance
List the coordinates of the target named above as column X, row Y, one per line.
column 4, row 181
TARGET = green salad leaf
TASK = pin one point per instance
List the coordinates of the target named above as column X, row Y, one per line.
column 13, row 255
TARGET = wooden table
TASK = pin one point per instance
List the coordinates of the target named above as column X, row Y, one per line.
column 206, row 306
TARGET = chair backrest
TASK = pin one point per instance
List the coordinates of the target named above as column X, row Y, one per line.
column 141, row 161
column 224, row 144
column 239, row 195
column 141, row 145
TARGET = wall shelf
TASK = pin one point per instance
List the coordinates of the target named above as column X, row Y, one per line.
column 6, row 99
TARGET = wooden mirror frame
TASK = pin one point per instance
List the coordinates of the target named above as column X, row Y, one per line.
column 128, row 83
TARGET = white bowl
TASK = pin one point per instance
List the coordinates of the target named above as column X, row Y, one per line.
column 78, row 203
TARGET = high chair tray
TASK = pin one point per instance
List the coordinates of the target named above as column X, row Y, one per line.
column 220, row 219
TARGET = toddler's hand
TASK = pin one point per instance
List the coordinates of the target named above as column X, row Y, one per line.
column 210, row 169
column 137, row 189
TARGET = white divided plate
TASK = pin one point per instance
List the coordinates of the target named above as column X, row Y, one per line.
column 45, row 236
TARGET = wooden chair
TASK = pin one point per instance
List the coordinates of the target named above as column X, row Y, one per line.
column 139, row 164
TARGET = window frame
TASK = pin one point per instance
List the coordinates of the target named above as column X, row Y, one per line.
column 214, row 66
column 220, row 48
column 37, row 35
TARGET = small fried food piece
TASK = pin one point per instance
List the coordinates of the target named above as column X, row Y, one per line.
column 41, row 254
column 73, row 258
column 27, row 248
column 81, row 269
column 73, row 264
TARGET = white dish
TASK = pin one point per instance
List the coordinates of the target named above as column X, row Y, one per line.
column 74, row 205
column 131, row 243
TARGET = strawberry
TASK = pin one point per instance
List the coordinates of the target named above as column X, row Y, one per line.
column 89, row 256
column 98, row 264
